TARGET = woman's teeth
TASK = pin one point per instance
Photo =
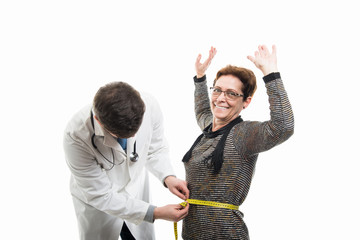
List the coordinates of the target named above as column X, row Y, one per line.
column 221, row 107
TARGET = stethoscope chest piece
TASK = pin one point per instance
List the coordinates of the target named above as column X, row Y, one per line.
column 134, row 157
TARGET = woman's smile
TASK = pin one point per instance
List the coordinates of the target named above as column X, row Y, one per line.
column 220, row 107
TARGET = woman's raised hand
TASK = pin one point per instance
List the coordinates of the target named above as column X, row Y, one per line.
column 202, row 67
column 264, row 60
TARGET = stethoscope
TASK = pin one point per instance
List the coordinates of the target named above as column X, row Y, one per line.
column 134, row 157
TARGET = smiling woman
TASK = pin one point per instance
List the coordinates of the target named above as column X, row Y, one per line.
column 221, row 162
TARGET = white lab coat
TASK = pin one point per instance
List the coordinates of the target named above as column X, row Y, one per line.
column 104, row 199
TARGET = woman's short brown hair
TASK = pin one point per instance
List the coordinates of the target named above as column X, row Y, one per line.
column 245, row 75
column 119, row 108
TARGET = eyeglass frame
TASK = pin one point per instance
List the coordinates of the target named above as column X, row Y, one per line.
column 226, row 93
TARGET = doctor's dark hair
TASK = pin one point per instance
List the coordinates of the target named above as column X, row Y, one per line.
column 246, row 76
column 119, row 108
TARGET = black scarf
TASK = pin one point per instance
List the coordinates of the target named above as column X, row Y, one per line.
column 217, row 156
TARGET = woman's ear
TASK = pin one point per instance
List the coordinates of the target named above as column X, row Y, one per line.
column 247, row 102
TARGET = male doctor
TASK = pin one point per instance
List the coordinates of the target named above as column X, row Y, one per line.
column 109, row 147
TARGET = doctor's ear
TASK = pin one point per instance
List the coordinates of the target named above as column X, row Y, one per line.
column 104, row 127
column 98, row 120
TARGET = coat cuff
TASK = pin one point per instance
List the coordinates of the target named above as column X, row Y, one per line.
column 149, row 216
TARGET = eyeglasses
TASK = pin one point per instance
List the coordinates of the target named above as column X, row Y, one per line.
column 230, row 95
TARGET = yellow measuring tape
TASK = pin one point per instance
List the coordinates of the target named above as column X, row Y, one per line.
column 204, row 203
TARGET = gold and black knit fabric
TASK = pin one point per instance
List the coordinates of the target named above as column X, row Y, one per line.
column 231, row 183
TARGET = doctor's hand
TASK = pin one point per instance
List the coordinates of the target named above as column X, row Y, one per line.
column 171, row 212
column 177, row 186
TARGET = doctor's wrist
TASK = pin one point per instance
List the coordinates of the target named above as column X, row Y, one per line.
column 168, row 178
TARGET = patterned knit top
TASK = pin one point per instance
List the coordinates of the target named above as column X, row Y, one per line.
column 242, row 146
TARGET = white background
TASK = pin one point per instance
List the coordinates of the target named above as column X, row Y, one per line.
column 54, row 55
